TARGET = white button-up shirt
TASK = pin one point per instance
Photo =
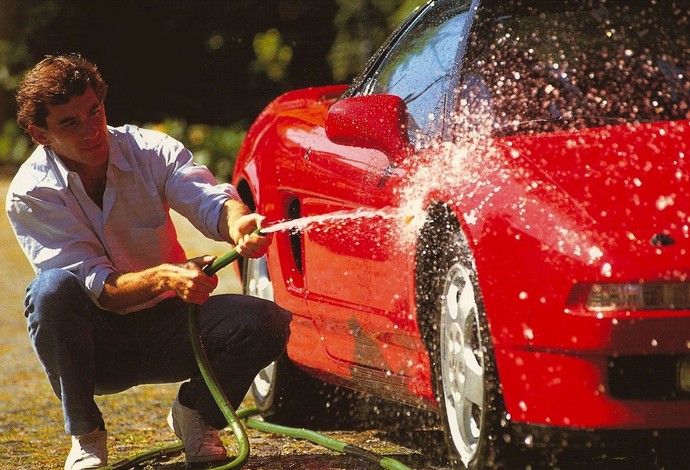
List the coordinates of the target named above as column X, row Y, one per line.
column 59, row 226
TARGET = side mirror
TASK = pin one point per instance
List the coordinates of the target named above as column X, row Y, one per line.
column 377, row 122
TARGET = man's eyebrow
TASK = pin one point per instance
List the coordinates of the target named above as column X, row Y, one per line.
column 68, row 119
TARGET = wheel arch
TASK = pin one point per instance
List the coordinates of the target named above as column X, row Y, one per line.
column 246, row 194
column 440, row 226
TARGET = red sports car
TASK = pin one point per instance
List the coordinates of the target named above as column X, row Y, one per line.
column 491, row 222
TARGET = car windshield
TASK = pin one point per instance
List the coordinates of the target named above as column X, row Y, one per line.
column 568, row 66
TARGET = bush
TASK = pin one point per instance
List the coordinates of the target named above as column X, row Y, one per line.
column 15, row 145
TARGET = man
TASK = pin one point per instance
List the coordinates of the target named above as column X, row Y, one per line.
column 107, row 310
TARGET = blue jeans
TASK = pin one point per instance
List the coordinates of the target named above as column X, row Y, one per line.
column 87, row 351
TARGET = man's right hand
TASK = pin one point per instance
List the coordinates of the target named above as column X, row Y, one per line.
column 187, row 280
column 190, row 283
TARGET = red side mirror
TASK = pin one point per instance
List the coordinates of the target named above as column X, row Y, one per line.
column 375, row 121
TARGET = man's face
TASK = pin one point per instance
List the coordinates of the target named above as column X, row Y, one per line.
column 77, row 131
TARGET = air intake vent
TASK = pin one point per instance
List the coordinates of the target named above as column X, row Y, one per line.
column 662, row 239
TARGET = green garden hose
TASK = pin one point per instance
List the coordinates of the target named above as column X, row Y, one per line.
column 234, row 419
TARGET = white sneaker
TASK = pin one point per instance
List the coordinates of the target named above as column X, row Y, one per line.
column 202, row 443
column 88, row 451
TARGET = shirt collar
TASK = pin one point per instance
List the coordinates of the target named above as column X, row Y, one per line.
column 115, row 155
column 62, row 172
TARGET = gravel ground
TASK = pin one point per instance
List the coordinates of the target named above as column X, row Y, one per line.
column 31, row 433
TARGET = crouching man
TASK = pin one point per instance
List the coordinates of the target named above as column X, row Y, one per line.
column 108, row 308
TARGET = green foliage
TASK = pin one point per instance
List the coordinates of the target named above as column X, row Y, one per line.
column 30, row 29
column 15, row 145
column 272, row 55
column 14, row 59
column 213, row 146
column 363, row 26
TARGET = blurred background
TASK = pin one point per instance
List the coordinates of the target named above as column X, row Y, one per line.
column 200, row 70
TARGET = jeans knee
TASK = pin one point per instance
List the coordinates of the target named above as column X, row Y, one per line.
column 278, row 326
column 54, row 294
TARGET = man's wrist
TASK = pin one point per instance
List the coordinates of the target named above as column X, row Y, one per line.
column 230, row 214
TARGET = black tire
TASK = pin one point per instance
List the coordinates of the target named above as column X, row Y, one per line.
column 284, row 393
column 456, row 331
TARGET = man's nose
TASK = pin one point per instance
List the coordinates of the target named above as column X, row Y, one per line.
column 90, row 125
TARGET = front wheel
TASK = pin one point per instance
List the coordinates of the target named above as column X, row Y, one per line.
column 461, row 349
column 464, row 368
column 257, row 283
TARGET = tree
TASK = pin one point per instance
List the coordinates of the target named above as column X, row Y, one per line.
column 362, row 27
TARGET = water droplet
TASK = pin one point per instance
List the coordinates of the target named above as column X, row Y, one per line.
column 606, row 270
column 527, row 332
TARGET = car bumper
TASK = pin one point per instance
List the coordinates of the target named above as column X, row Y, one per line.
column 593, row 391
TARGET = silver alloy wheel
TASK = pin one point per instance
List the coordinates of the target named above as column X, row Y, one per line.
column 462, row 362
column 257, row 283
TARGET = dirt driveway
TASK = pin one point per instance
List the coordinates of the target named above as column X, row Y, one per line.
column 31, row 433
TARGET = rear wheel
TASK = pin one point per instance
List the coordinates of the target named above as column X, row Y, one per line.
column 256, row 282
column 457, row 334
column 463, row 364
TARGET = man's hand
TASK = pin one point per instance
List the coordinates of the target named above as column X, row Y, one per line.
column 248, row 243
column 189, row 281
column 238, row 224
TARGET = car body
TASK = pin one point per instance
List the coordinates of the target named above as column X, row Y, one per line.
column 517, row 178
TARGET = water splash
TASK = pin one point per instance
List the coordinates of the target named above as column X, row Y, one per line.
column 447, row 168
column 332, row 219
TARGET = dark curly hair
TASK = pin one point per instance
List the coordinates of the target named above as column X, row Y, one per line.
column 53, row 81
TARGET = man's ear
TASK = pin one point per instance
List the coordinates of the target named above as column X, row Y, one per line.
column 39, row 135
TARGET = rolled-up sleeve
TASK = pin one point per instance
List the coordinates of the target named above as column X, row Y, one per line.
column 192, row 190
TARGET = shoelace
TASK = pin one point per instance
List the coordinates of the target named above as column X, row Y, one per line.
column 88, row 446
column 204, row 434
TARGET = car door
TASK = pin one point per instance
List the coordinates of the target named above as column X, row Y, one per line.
column 357, row 278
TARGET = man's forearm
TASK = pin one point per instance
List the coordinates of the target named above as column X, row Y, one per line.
column 187, row 280
column 122, row 291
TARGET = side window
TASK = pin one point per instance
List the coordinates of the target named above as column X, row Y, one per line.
column 421, row 68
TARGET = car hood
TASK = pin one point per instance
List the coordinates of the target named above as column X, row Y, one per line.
column 633, row 178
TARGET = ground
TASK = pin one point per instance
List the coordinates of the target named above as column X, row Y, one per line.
column 31, row 431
